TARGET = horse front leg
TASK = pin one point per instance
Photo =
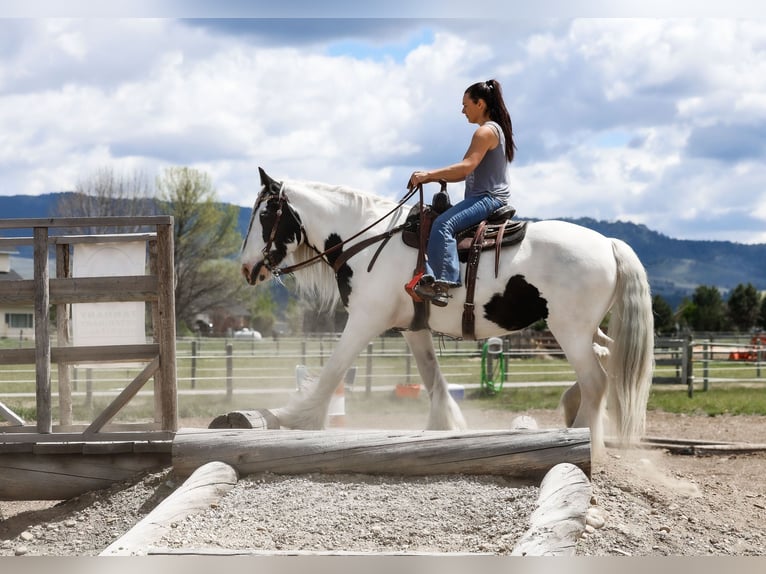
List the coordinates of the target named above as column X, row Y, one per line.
column 444, row 413
column 308, row 409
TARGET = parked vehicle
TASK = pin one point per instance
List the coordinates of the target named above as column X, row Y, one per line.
column 247, row 333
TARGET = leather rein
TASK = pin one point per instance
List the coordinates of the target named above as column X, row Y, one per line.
column 283, row 202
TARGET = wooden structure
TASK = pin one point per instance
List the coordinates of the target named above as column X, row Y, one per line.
column 675, row 353
column 21, row 441
column 524, row 455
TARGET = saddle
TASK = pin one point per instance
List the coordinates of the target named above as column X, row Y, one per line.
column 494, row 233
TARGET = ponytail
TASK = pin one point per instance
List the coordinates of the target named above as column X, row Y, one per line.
column 491, row 92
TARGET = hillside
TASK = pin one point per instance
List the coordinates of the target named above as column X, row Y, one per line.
column 675, row 266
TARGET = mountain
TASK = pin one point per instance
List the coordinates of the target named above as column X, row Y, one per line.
column 675, row 266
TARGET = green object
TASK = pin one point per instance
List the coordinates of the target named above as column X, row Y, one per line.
column 492, row 367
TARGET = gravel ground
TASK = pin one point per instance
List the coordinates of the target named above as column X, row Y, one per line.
column 653, row 504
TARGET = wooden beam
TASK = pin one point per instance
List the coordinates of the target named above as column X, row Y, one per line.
column 83, row 290
column 42, row 336
column 123, row 398
column 525, row 455
column 63, row 476
column 84, row 354
column 64, row 222
column 206, row 486
column 165, row 333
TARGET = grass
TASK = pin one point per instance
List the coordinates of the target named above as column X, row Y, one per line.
column 271, row 365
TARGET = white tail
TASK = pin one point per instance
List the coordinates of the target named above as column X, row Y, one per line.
column 631, row 354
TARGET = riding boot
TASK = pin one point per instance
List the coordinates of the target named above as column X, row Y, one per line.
column 437, row 292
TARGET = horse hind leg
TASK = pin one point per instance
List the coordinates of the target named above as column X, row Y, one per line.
column 570, row 400
column 444, row 412
column 583, row 403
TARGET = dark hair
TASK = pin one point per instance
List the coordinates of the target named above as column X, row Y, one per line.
column 491, row 92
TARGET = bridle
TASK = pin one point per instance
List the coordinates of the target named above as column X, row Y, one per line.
column 283, row 203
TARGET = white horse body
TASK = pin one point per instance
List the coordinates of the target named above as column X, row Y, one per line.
column 571, row 275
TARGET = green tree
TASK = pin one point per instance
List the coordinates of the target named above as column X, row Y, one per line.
column 664, row 320
column 762, row 314
column 743, row 307
column 707, row 311
column 206, row 241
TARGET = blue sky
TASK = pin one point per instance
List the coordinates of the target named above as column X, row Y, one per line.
column 659, row 120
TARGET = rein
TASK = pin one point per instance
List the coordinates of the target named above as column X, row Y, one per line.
column 277, row 271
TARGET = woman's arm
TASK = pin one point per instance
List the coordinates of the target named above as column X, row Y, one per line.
column 483, row 140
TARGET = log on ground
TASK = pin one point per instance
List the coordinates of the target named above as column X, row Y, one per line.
column 27, row 476
column 559, row 519
column 207, row 485
column 526, row 455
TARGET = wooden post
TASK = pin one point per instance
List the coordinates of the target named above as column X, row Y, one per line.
column 62, row 331
column 229, row 373
column 167, row 326
column 42, row 336
column 194, row 364
column 525, row 455
column 368, row 377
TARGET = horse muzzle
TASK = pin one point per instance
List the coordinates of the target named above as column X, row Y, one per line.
column 255, row 274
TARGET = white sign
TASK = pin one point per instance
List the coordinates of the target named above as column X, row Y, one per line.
column 113, row 323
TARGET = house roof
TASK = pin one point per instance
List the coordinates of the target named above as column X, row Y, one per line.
column 10, row 276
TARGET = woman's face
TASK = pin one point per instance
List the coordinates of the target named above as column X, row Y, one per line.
column 473, row 111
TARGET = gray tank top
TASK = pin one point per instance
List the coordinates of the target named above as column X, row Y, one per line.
column 491, row 175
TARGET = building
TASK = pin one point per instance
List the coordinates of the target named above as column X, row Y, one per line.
column 16, row 321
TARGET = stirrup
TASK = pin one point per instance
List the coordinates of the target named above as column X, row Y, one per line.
column 435, row 292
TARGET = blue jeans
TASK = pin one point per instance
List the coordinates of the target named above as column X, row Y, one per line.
column 442, row 262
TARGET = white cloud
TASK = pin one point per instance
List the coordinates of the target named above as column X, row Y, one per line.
column 647, row 119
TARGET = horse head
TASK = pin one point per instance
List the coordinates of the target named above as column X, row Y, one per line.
column 274, row 232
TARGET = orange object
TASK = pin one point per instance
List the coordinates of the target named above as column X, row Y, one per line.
column 407, row 391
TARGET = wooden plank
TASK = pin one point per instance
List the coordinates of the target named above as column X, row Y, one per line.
column 62, row 333
column 166, row 327
column 207, row 485
column 134, row 436
column 525, row 455
column 62, row 476
column 42, row 337
column 10, row 416
column 83, row 290
column 123, row 398
column 84, row 354
column 65, row 240
column 64, row 222
column 559, row 519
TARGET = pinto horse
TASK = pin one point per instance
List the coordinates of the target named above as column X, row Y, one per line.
column 564, row 273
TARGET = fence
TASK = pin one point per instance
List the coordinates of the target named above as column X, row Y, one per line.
column 236, row 368
column 52, row 335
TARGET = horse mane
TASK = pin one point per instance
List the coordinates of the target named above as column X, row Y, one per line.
column 317, row 282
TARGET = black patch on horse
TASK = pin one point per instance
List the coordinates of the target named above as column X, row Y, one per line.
column 344, row 274
column 518, row 307
column 288, row 228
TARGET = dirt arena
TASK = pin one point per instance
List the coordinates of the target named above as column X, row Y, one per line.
column 653, row 503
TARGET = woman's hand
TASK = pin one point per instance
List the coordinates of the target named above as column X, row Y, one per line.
column 418, row 177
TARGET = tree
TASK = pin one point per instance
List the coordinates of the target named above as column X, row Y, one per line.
column 104, row 193
column 743, row 307
column 206, row 240
column 707, row 311
column 762, row 314
column 664, row 320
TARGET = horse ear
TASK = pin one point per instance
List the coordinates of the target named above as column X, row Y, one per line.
column 267, row 182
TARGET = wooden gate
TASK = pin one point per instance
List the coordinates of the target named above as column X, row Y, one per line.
column 148, row 444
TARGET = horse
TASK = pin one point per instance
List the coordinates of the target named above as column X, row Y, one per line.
column 335, row 242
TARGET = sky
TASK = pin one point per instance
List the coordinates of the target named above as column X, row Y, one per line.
column 653, row 117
